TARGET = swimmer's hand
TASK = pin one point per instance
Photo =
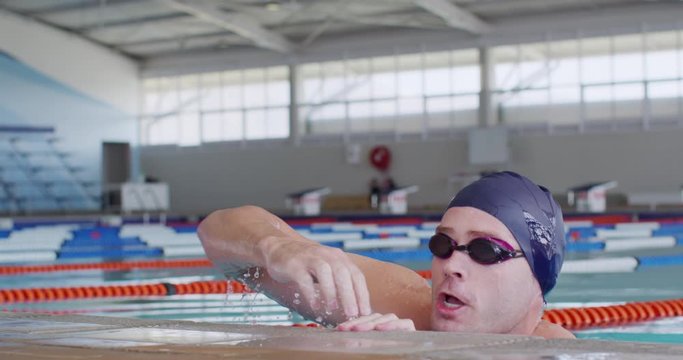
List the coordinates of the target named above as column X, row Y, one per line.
column 379, row 322
column 326, row 277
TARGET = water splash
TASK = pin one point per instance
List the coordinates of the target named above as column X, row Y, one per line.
column 228, row 291
column 245, row 276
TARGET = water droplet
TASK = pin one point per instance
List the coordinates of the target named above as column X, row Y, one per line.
column 319, row 319
column 297, row 301
column 229, row 289
column 257, row 274
column 296, row 295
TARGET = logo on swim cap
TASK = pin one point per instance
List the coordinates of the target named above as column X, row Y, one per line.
column 542, row 234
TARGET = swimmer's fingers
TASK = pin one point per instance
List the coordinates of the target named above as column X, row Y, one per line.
column 387, row 322
column 360, row 288
column 349, row 325
column 305, row 284
column 352, row 289
column 345, row 290
column 326, row 283
column 342, row 294
column 394, row 325
column 371, row 324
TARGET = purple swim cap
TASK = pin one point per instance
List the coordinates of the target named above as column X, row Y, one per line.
column 531, row 214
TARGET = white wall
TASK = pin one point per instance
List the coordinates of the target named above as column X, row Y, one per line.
column 211, row 177
column 88, row 93
column 85, row 66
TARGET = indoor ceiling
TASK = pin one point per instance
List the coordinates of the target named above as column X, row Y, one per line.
column 145, row 29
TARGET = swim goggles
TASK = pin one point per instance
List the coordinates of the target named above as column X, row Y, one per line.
column 484, row 250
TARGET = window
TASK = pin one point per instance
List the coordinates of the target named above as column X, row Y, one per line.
column 625, row 77
column 616, row 79
column 222, row 106
column 391, row 94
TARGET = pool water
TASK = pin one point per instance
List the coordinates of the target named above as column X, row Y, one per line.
column 572, row 290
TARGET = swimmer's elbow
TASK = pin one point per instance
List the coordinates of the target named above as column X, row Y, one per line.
column 214, row 226
column 208, row 226
column 227, row 216
column 230, row 213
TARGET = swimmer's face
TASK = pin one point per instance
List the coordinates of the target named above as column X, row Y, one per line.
column 470, row 297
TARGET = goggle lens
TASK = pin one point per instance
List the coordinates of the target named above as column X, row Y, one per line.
column 482, row 250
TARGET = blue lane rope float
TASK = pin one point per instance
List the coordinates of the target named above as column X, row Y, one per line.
column 107, row 242
column 111, row 253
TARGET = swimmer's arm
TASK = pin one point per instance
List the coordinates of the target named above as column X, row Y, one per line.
column 317, row 281
column 395, row 289
column 238, row 241
column 231, row 237
column 549, row 330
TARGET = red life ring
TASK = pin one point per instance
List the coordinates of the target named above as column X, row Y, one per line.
column 380, row 157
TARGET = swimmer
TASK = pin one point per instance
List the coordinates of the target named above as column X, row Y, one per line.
column 497, row 253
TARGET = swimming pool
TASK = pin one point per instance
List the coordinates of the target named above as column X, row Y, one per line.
column 659, row 281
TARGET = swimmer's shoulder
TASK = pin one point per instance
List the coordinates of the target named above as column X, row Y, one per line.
column 549, row 330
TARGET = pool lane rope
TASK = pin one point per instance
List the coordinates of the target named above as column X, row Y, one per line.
column 614, row 315
column 120, row 266
column 21, row 295
column 106, row 266
column 595, row 265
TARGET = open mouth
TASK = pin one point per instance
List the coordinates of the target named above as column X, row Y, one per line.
column 448, row 305
column 451, row 301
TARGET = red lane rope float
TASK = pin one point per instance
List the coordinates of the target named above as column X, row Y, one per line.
column 602, row 219
column 106, row 266
column 89, row 292
column 427, row 274
column 614, row 315
column 121, row 266
column 85, row 292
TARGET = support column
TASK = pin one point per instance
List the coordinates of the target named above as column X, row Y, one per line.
column 294, row 95
column 488, row 113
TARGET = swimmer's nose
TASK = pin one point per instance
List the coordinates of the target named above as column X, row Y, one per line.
column 456, row 265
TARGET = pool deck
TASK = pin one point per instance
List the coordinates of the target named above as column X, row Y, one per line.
column 34, row 336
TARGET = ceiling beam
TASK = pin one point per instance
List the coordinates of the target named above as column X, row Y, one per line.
column 77, row 6
column 455, row 16
column 130, row 21
column 400, row 20
column 238, row 23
